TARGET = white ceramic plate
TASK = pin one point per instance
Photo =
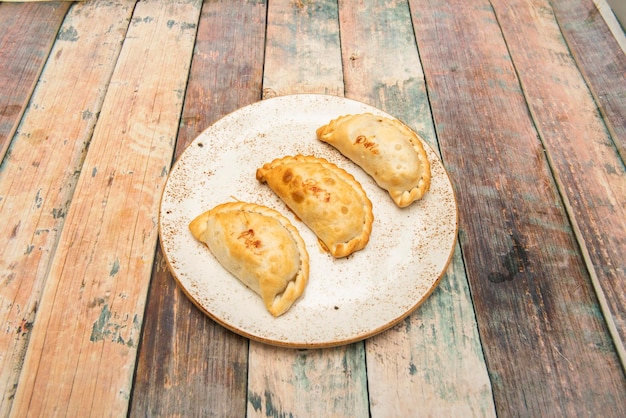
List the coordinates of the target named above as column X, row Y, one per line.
column 347, row 299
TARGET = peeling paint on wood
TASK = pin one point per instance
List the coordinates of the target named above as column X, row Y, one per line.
column 32, row 167
column 544, row 325
column 115, row 328
column 22, row 57
column 579, row 147
column 287, row 382
column 292, row 41
column 91, row 307
column 175, row 374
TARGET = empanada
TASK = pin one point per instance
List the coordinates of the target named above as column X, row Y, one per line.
column 386, row 149
column 329, row 200
column 260, row 247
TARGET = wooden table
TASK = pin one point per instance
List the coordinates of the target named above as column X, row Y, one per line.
column 524, row 100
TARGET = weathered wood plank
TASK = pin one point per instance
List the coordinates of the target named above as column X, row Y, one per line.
column 36, row 183
column 589, row 169
column 303, row 56
column 293, row 41
column 22, row 56
column 286, row 382
column 81, row 355
column 189, row 365
column 547, row 348
column 431, row 364
column 609, row 16
column 600, row 59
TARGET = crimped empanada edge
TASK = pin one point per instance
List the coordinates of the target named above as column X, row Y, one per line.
column 402, row 198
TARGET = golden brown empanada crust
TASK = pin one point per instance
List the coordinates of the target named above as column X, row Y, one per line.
column 260, row 247
column 328, row 199
column 388, row 150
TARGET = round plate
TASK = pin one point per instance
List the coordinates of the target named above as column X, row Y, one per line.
column 346, row 299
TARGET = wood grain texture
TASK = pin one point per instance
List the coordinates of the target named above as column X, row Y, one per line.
column 23, row 54
column 189, row 365
column 302, row 51
column 285, row 382
column 36, row 185
column 382, row 66
column 545, row 342
column 82, row 351
column 608, row 14
column 431, row 364
column 303, row 55
column 580, row 149
column 601, row 61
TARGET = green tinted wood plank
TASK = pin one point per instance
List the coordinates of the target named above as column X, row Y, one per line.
column 27, row 32
column 39, row 173
column 189, row 365
column 294, row 41
column 537, row 314
column 431, row 364
column 303, row 56
column 317, row 382
column 81, row 355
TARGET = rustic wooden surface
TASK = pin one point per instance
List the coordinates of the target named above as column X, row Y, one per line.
column 22, row 56
column 530, row 285
column 19, row 70
column 524, row 100
column 576, row 139
column 594, row 47
column 93, row 298
column 37, row 184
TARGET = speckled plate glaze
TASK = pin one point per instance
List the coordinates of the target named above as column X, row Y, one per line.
column 347, row 299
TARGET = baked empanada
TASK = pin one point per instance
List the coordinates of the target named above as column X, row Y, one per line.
column 329, row 200
column 386, row 149
column 260, row 247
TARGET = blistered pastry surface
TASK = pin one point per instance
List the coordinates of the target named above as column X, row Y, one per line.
column 346, row 299
column 325, row 197
column 387, row 149
column 258, row 246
